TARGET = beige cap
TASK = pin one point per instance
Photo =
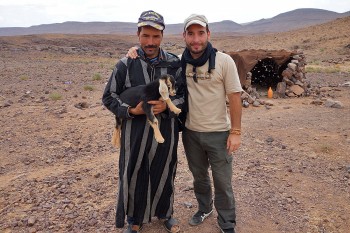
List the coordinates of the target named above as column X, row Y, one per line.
column 196, row 19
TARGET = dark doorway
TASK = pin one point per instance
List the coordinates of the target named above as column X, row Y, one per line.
column 266, row 74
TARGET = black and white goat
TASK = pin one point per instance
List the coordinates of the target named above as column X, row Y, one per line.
column 155, row 90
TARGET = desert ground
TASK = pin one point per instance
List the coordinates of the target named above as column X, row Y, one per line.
column 59, row 171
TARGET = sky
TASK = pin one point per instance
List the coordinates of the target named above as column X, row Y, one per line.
column 26, row 13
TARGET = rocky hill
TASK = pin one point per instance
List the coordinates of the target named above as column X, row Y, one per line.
column 295, row 19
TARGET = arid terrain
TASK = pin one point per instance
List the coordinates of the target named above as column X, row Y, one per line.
column 59, row 171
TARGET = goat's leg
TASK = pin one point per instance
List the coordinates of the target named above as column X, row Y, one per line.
column 147, row 108
column 157, row 134
column 172, row 106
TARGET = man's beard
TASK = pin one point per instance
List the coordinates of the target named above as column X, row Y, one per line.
column 204, row 46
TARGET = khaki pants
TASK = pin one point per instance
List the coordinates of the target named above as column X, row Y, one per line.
column 209, row 149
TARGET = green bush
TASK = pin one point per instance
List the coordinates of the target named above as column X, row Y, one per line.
column 323, row 69
column 55, row 96
column 96, row 77
column 24, row 77
column 88, row 88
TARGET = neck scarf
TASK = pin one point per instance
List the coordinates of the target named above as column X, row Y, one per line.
column 209, row 53
column 151, row 61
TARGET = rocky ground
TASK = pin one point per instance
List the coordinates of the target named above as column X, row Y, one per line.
column 58, row 170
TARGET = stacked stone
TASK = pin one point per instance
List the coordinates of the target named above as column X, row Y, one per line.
column 250, row 96
column 294, row 81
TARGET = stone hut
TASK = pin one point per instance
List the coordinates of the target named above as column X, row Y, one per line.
column 282, row 70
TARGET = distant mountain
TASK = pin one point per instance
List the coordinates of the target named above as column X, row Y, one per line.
column 290, row 20
column 73, row 28
column 225, row 26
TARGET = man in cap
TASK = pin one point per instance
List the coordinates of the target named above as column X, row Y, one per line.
column 211, row 135
column 146, row 168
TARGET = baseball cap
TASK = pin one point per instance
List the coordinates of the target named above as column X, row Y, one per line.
column 151, row 18
column 196, row 19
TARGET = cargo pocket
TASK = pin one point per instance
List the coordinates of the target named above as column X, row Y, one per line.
column 229, row 158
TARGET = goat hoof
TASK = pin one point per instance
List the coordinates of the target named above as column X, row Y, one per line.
column 177, row 111
column 160, row 140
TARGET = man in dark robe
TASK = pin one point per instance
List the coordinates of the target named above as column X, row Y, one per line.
column 146, row 168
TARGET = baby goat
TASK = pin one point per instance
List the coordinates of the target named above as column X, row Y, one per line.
column 155, row 90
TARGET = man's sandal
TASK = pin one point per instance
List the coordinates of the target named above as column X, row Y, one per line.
column 171, row 225
column 133, row 229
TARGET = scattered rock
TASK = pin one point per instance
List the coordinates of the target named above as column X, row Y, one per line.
column 82, row 105
column 297, row 90
column 333, row 104
column 7, row 103
column 31, row 221
column 346, row 84
column 188, row 204
column 317, row 102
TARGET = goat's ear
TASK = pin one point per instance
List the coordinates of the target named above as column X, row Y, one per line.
column 169, row 81
column 163, row 89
